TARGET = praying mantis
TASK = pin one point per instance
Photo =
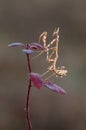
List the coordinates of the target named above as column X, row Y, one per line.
column 52, row 52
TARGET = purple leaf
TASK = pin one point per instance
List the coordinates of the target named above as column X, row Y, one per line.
column 27, row 51
column 54, row 87
column 36, row 46
column 15, row 44
column 36, row 80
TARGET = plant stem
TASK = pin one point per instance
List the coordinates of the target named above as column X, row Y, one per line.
column 28, row 95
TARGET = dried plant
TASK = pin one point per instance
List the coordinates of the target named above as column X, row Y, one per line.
column 35, row 79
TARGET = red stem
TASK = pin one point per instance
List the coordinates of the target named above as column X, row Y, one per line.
column 28, row 95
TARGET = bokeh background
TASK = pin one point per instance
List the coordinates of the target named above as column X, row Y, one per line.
column 23, row 21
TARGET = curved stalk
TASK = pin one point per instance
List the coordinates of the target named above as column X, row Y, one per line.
column 28, row 94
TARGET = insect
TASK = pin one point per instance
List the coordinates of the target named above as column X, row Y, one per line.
column 52, row 52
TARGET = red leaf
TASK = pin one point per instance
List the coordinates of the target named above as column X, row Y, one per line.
column 36, row 46
column 54, row 87
column 33, row 47
column 36, row 80
column 15, row 44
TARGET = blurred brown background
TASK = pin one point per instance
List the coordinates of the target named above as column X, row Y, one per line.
column 23, row 21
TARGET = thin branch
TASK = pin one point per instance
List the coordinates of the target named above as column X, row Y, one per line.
column 27, row 107
column 28, row 95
